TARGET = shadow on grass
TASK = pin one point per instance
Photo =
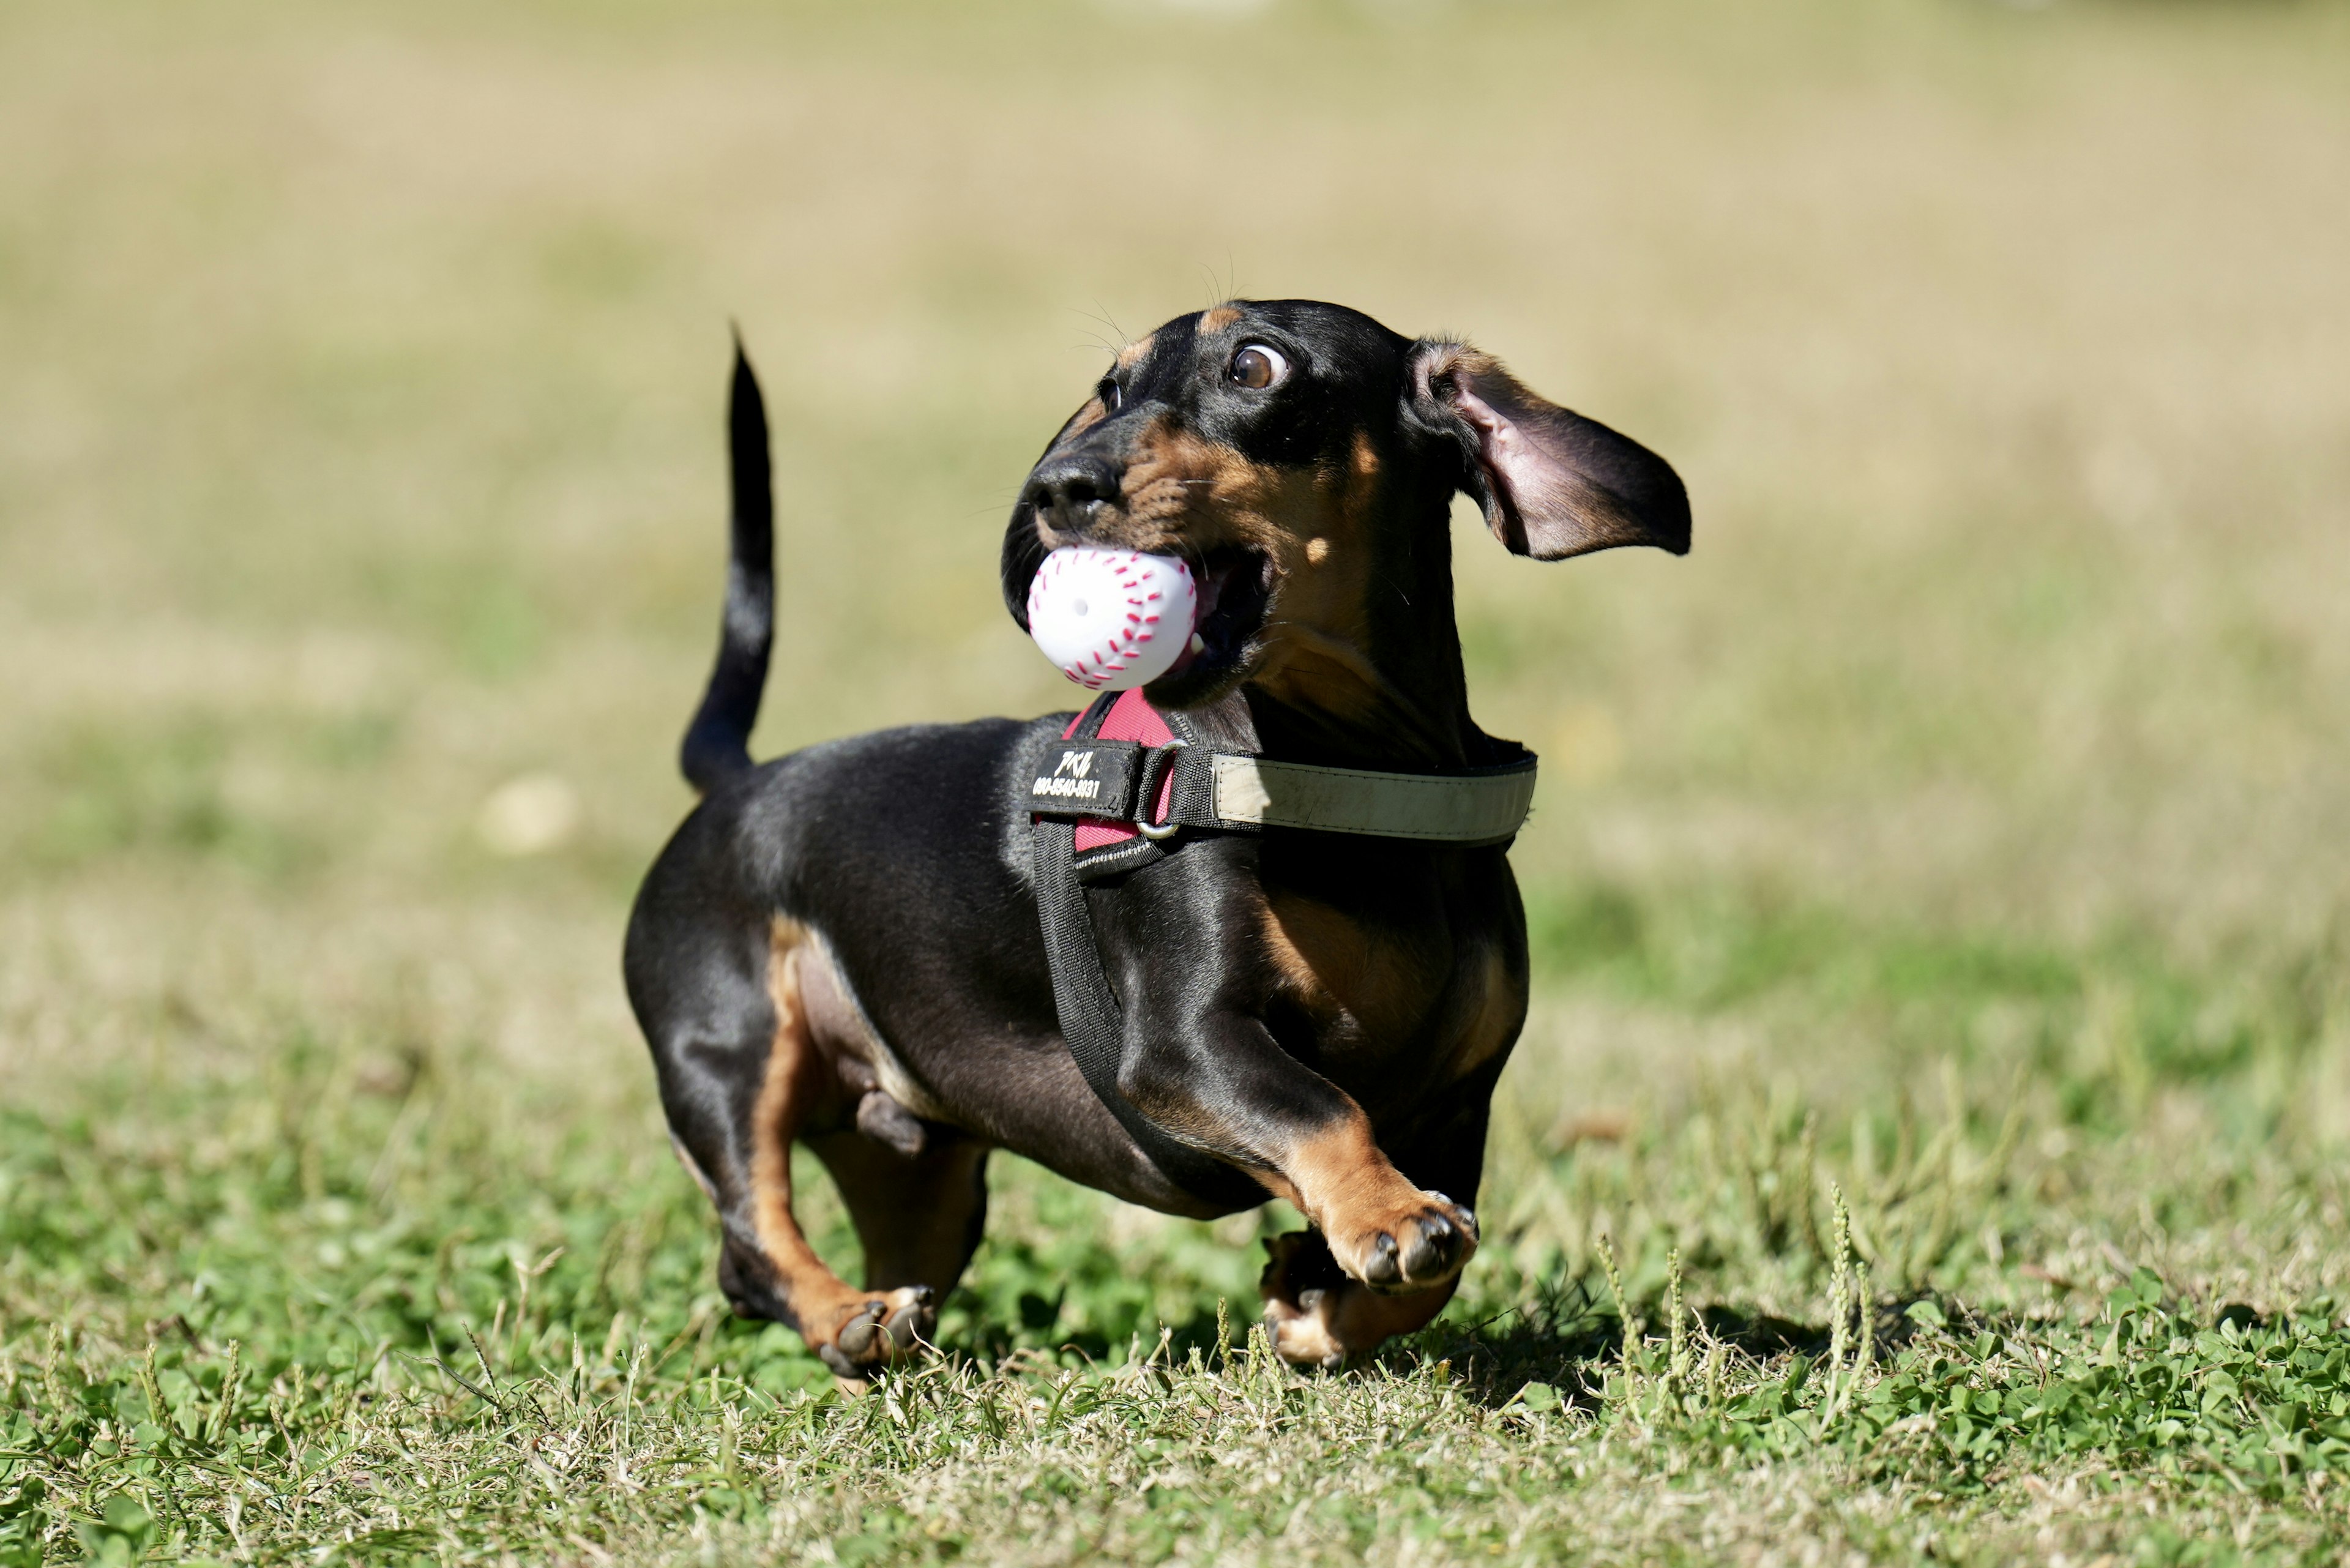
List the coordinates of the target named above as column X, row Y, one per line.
column 1567, row 1340
column 996, row 1342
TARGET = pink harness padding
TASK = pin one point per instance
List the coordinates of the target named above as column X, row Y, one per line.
column 1130, row 718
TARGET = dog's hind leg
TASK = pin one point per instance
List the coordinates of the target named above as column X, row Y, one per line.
column 738, row 1096
column 917, row 1193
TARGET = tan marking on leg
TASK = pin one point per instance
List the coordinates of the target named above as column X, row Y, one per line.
column 1351, row 982
column 782, row 1093
column 1216, row 320
column 1382, row 1229
column 823, row 1304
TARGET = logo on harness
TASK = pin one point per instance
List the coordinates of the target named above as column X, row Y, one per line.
column 1070, row 779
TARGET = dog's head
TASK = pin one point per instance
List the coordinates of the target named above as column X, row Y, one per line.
column 1303, row 459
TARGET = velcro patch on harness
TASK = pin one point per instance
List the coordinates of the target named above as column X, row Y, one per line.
column 1086, row 778
column 1480, row 807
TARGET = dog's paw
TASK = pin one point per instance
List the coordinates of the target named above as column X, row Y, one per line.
column 1423, row 1239
column 1304, row 1332
column 875, row 1330
column 1300, row 1285
column 1316, row 1316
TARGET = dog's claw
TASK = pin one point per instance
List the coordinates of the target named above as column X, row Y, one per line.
column 855, row 1336
column 905, row 1325
column 1421, row 1245
column 875, row 1333
column 1430, row 1248
column 1468, row 1216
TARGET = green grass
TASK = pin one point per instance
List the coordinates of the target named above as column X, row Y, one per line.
column 1955, row 834
column 382, row 1299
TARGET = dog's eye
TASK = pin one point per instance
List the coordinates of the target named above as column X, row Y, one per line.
column 1112, row 396
column 1258, row 367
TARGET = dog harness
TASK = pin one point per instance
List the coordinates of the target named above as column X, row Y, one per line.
column 1111, row 794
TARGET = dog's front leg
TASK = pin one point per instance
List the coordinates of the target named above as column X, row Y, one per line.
column 1316, row 1315
column 1217, row 1079
column 1394, row 1236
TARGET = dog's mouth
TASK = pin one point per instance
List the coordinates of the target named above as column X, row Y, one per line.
column 1235, row 585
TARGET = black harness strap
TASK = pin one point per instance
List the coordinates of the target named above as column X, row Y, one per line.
column 1083, row 775
column 1091, row 1020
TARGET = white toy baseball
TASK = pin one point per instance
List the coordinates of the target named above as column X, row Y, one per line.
column 1112, row 619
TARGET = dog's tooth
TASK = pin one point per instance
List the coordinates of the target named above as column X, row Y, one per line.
column 1198, row 642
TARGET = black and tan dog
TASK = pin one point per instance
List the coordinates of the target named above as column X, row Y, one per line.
column 842, row 947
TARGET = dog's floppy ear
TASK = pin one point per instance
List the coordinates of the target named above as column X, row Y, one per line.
column 1553, row 483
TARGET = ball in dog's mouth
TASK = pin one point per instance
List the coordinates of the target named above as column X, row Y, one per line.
column 1111, row 619
column 1235, row 591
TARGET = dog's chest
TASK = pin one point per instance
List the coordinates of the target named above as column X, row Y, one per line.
column 1399, row 1008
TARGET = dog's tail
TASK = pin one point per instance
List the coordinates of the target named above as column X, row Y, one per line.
column 718, row 742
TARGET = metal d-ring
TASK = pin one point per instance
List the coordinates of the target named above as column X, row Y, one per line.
column 1148, row 789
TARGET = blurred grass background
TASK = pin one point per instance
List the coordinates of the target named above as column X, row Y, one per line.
column 361, row 371
column 360, row 379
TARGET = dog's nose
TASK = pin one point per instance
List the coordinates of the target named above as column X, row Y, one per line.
column 1070, row 485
